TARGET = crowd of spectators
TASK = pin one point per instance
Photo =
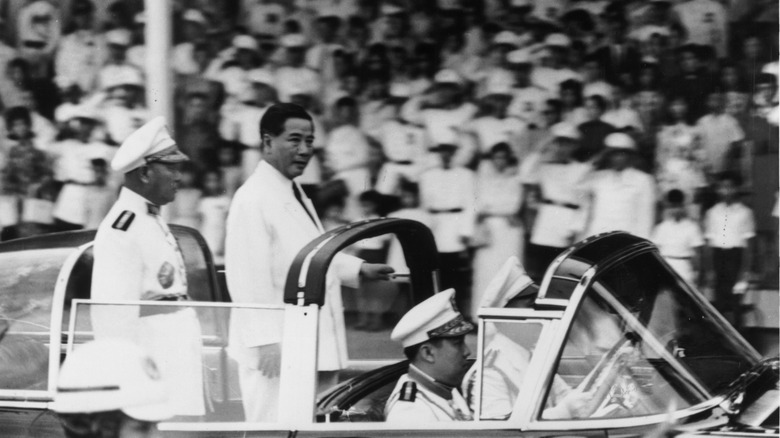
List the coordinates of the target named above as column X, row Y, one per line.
column 492, row 121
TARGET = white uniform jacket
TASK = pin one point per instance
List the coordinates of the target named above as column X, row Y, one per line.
column 418, row 398
column 266, row 228
column 137, row 258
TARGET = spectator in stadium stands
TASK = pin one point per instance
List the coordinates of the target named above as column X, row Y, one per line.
column 529, row 100
column 571, row 98
column 618, row 57
column 102, row 194
column 553, row 69
column 15, row 83
column 319, row 57
column 183, row 59
column 123, row 110
column 705, row 23
column 679, row 157
column 499, row 233
column 721, row 136
column 679, row 238
column 39, row 26
column 73, row 156
column 347, row 154
column 594, row 130
column 136, row 54
column 621, row 197
column 294, row 74
column 448, row 193
column 184, row 209
column 232, row 67
column 692, row 83
column 551, row 198
column 621, row 114
column 81, row 52
column 729, row 229
column 442, row 111
column 212, row 213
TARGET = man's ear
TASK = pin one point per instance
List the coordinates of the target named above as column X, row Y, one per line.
column 143, row 174
column 265, row 141
column 427, row 353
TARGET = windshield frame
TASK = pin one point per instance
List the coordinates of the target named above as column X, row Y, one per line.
column 559, row 341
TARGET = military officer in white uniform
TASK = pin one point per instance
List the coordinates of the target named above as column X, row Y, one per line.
column 433, row 336
column 269, row 222
column 137, row 258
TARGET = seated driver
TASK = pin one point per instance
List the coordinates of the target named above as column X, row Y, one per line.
column 433, row 336
column 506, row 361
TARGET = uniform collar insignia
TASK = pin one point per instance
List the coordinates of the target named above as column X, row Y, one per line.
column 429, row 383
column 153, row 209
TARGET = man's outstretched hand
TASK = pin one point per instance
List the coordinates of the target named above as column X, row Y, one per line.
column 375, row 271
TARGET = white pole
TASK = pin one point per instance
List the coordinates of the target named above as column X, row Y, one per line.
column 159, row 78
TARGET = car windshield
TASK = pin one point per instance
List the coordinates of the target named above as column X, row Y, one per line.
column 641, row 343
column 27, row 280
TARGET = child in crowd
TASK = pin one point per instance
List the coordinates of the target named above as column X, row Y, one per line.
column 184, row 209
column 679, row 238
column 729, row 229
column 212, row 211
column 373, row 297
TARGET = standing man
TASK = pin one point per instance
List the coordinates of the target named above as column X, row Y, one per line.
column 137, row 258
column 269, row 222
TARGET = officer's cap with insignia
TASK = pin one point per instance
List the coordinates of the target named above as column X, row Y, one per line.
column 151, row 143
column 437, row 317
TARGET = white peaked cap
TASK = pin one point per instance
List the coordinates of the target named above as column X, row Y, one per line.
column 619, row 140
column 109, row 375
column 150, row 143
column 510, row 280
column 436, row 317
column 565, row 130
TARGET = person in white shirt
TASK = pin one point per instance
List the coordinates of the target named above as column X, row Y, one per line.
column 73, row 167
column 705, row 23
column 448, row 193
column 621, row 197
column 212, row 211
column 295, row 76
column 553, row 180
column 123, row 110
column 269, row 222
column 550, row 74
column 499, row 196
column 679, row 239
column 729, row 228
column 347, row 154
column 183, row 57
column 529, row 100
column 721, row 136
column 403, row 145
column 442, row 112
column 81, row 52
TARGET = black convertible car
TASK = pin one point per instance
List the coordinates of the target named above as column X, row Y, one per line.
column 610, row 318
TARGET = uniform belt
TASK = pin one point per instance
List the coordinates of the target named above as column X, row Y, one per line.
column 403, row 162
column 451, row 210
column 162, row 310
column 561, row 204
column 79, row 183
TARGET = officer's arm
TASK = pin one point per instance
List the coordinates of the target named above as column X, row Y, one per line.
column 117, row 275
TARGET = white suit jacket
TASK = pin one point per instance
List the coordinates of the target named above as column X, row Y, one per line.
column 266, row 228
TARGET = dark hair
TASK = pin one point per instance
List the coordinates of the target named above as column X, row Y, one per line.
column 599, row 101
column 409, row 187
column 575, row 87
column 411, row 351
column 675, row 196
column 503, row 147
column 17, row 113
column 346, row 101
column 729, row 175
column 277, row 115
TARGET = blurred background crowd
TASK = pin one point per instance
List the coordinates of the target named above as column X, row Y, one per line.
column 492, row 121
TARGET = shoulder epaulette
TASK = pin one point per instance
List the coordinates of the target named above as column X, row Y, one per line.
column 123, row 221
column 408, row 392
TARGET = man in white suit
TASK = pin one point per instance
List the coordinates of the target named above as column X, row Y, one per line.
column 269, row 222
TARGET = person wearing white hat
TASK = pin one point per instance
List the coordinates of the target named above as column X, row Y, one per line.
column 269, row 222
column 123, row 110
column 138, row 258
column 110, row 389
column 73, row 166
column 433, row 336
column 295, row 76
column 529, row 99
column 240, row 123
column 442, row 111
column 81, row 52
column 552, row 181
column 554, row 69
column 621, row 197
column 194, row 29
column 403, row 144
